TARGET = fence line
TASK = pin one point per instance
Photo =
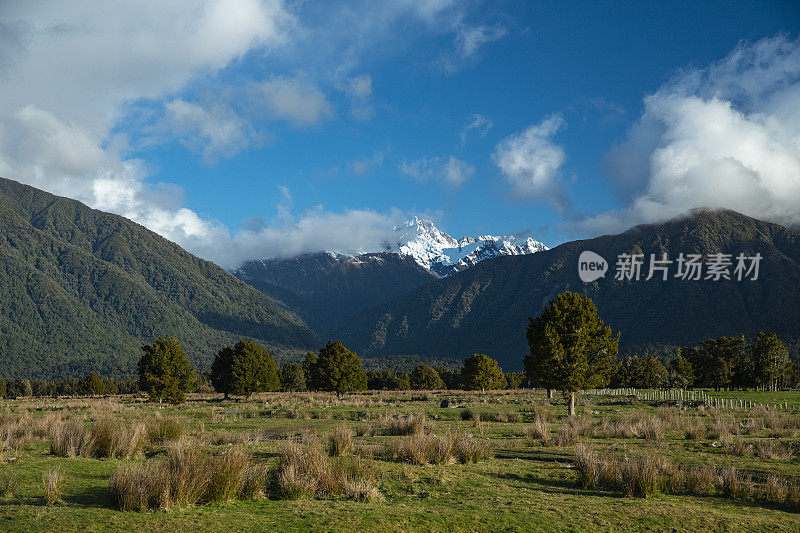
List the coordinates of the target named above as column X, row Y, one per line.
column 682, row 395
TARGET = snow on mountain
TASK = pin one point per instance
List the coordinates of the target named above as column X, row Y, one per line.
column 442, row 254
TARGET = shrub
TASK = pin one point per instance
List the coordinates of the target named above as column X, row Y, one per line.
column 53, row 481
column 226, row 475
column 540, row 429
column 700, row 480
column 410, row 425
column 775, row 489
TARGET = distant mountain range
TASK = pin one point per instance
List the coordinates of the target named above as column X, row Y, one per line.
column 82, row 290
column 485, row 308
column 443, row 255
column 328, row 288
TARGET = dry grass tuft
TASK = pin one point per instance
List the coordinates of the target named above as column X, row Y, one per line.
column 165, row 429
column 53, row 481
column 69, row 438
column 340, row 442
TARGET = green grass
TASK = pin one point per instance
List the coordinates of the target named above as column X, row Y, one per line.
column 524, row 487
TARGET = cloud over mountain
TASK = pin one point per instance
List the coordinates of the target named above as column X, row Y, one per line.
column 727, row 135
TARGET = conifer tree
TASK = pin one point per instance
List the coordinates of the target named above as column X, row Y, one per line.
column 570, row 347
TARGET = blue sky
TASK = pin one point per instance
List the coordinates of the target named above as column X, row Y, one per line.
column 250, row 129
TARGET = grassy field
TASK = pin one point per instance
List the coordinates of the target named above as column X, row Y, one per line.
column 497, row 460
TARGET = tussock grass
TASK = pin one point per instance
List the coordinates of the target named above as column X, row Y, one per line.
column 68, row 438
column 165, row 429
column 184, row 478
column 53, row 481
column 340, row 442
column 8, row 484
column 112, row 438
column 305, row 471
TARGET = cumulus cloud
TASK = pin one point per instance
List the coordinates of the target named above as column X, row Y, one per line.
column 532, row 163
column 71, row 74
column 476, row 124
column 450, row 171
column 216, row 132
column 350, row 231
column 77, row 67
column 292, row 99
column 724, row 136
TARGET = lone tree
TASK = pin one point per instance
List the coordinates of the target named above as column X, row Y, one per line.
column 293, row 378
column 482, row 372
column 571, row 348
column 424, row 377
column 338, row 369
column 164, row 371
column 244, row 369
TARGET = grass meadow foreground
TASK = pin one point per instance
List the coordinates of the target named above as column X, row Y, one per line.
column 441, row 461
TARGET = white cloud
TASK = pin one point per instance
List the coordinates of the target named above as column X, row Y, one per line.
column 216, row 132
column 470, row 38
column 291, row 99
column 78, row 66
column 477, row 123
column 450, row 171
column 70, row 74
column 358, row 90
column 351, row 231
column 725, row 136
column 531, row 162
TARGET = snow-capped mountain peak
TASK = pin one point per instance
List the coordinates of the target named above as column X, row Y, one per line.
column 440, row 253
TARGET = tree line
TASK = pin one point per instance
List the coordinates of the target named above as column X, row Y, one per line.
column 572, row 349
column 91, row 385
column 166, row 374
column 760, row 363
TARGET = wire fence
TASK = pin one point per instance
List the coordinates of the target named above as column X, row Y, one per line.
column 694, row 396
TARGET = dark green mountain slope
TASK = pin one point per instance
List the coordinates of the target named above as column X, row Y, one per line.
column 485, row 308
column 81, row 290
column 326, row 289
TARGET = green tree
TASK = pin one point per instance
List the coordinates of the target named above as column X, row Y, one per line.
column 338, row 369
column 680, row 372
column 293, row 378
column 481, row 372
column 451, row 378
column 770, row 360
column 93, row 384
column 164, row 371
column 244, row 369
column 387, row 380
column 310, row 370
column 570, row 347
column 514, row 380
column 424, row 377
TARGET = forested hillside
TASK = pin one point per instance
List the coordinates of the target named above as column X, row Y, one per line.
column 486, row 308
column 81, row 290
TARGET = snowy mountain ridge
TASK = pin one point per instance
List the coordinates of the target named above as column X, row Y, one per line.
column 444, row 255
